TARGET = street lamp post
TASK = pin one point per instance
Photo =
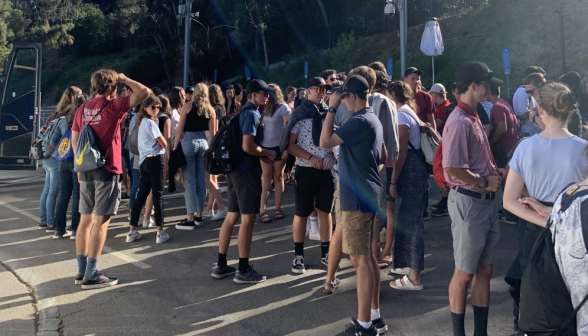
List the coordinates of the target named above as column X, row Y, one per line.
column 187, row 42
column 208, row 29
column 389, row 11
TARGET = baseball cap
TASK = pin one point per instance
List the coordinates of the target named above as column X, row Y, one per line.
column 438, row 88
column 257, row 85
column 412, row 70
column 475, row 72
column 318, row 82
column 190, row 89
column 356, row 85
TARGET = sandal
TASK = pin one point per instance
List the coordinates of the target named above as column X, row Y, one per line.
column 279, row 214
column 407, row 285
column 333, row 286
column 385, row 262
column 265, row 218
column 290, row 181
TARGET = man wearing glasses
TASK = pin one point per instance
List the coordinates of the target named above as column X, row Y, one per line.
column 314, row 181
column 329, row 76
column 471, row 172
column 523, row 103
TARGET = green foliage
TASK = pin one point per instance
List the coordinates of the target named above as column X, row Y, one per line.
column 345, row 47
column 91, row 32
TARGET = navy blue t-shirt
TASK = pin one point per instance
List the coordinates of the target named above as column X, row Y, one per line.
column 359, row 180
column 248, row 125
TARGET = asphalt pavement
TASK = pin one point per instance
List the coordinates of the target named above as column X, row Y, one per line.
column 166, row 289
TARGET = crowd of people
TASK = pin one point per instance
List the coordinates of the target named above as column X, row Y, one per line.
column 353, row 147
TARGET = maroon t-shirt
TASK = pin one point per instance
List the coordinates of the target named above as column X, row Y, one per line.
column 501, row 111
column 425, row 104
column 105, row 125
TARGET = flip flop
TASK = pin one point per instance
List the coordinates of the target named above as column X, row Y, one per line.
column 279, row 214
column 333, row 285
column 265, row 218
column 382, row 263
column 407, row 285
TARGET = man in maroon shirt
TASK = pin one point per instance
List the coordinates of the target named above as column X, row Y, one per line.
column 100, row 188
column 505, row 125
column 441, row 102
column 424, row 101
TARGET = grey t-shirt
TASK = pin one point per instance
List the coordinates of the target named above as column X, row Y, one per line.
column 342, row 115
column 359, row 181
column 548, row 165
column 273, row 126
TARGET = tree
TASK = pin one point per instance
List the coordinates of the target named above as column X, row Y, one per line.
column 257, row 10
column 326, row 18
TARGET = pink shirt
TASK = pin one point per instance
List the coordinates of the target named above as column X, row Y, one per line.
column 465, row 146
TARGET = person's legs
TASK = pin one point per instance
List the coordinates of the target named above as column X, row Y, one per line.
column 189, row 173
column 226, row 230
column 200, row 146
column 390, row 230
column 44, row 194
column 142, row 195
column 266, row 180
column 148, row 206
column 53, row 170
column 65, row 191
column 481, row 285
column 279, row 180
column 365, row 286
column 245, row 237
column 136, row 182
column 75, row 202
column 325, row 231
column 157, row 175
column 335, row 254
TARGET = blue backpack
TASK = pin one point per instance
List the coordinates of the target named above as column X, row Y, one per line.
column 64, row 150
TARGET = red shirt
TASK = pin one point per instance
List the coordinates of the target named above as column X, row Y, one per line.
column 424, row 103
column 500, row 112
column 105, row 126
column 440, row 113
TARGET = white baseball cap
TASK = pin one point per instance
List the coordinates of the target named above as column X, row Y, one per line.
column 438, row 88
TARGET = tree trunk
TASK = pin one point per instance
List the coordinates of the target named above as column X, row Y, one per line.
column 257, row 46
column 228, row 45
column 326, row 18
column 264, row 49
column 163, row 52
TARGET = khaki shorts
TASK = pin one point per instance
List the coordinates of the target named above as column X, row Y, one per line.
column 359, row 230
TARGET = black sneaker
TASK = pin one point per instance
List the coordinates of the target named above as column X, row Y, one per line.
column 380, row 325
column 101, row 282
column 426, row 216
column 355, row 329
column 198, row 221
column 79, row 279
column 58, row 234
column 325, row 259
column 440, row 212
column 221, row 272
column 186, row 225
column 50, row 229
column 42, row 226
column 298, row 264
column 249, row 277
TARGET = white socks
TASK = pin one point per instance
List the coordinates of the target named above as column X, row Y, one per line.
column 375, row 314
column 365, row 325
column 314, row 224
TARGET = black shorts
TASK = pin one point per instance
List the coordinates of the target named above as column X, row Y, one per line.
column 277, row 150
column 314, row 188
column 244, row 192
column 387, row 195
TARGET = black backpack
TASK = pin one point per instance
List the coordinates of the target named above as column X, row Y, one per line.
column 225, row 152
column 546, row 304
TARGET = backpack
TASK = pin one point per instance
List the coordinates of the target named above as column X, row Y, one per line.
column 225, row 152
column 88, row 155
column 546, row 304
column 430, row 140
column 64, row 151
column 41, row 148
column 438, row 174
column 132, row 144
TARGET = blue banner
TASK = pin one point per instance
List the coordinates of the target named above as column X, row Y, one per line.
column 390, row 68
column 305, row 69
column 506, row 58
column 247, row 73
column 215, row 75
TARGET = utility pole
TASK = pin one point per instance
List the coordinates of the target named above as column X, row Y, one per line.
column 187, row 42
column 403, row 31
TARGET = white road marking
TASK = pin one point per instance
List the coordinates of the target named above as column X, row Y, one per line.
column 8, row 219
column 126, row 258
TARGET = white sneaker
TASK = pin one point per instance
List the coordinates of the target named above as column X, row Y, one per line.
column 149, row 223
column 207, row 214
column 162, row 237
column 222, row 190
column 220, row 214
column 133, row 235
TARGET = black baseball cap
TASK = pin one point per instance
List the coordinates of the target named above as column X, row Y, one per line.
column 318, row 82
column 257, row 85
column 190, row 89
column 476, row 72
column 412, row 70
column 356, row 85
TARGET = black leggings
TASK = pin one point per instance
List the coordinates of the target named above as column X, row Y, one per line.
column 152, row 180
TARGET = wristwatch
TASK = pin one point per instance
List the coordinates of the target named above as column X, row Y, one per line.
column 332, row 110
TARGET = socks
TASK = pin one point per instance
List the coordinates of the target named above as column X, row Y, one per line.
column 365, row 325
column 222, row 260
column 82, row 262
column 299, row 249
column 480, row 321
column 375, row 314
column 91, row 269
column 458, row 324
column 243, row 265
column 325, row 248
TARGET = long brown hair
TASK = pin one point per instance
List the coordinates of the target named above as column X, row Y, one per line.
column 233, row 101
column 276, row 99
column 403, row 94
column 175, row 98
column 215, row 95
column 165, row 106
column 72, row 109
column 68, row 99
column 200, row 98
column 151, row 100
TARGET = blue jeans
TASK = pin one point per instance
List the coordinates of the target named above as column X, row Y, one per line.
column 136, row 181
column 50, row 191
column 194, row 144
column 68, row 186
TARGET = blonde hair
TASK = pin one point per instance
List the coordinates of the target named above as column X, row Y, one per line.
column 200, row 98
column 276, row 99
column 68, row 99
column 165, row 107
column 102, row 80
column 557, row 100
column 151, row 100
column 215, row 95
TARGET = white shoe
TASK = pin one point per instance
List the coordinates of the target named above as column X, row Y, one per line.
column 314, row 229
column 222, row 190
column 129, row 217
column 400, row 271
column 133, row 235
column 149, row 223
column 220, row 214
column 314, row 236
column 162, row 237
column 206, row 214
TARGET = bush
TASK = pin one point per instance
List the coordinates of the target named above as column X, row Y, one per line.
column 91, row 31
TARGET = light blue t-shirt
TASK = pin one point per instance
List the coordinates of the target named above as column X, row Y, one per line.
column 549, row 165
column 148, row 132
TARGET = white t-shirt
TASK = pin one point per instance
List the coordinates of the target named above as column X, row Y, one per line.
column 175, row 119
column 148, row 132
column 303, row 129
column 405, row 118
column 521, row 102
column 273, row 126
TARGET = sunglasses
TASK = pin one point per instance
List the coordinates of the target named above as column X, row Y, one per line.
column 333, row 78
column 530, row 92
column 154, row 108
column 321, row 89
